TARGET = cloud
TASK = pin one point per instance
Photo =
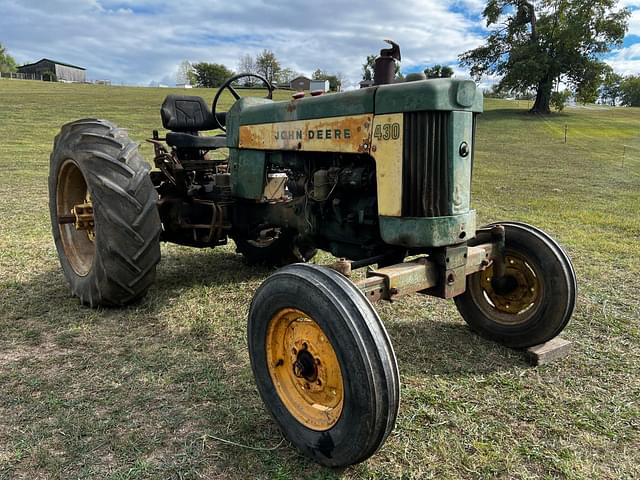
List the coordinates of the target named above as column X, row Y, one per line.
column 626, row 61
column 140, row 41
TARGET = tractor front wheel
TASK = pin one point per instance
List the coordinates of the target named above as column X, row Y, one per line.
column 532, row 302
column 323, row 364
column 103, row 210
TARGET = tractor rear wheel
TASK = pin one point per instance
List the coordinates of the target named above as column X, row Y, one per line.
column 103, row 210
column 534, row 300
column 323, row 364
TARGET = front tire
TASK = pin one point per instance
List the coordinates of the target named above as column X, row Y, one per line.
column 535, row 299
column 323, row 364
column 104, row 218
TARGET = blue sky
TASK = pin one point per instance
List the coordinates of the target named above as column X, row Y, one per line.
column 143, row 41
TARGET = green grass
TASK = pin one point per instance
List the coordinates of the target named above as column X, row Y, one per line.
column 139, row 392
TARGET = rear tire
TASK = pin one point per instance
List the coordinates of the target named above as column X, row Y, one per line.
column 113, row 262
column 323, row 364
column 535, row 303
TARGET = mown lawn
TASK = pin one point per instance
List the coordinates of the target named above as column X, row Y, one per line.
column 141, row 392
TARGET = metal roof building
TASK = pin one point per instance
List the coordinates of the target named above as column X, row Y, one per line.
column 300, row 83
column 55, row 71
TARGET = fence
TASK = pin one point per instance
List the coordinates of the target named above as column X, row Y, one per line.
column 20, row 76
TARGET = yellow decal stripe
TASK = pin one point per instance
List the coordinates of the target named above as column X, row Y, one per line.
column 386, row 149
column 334, row 134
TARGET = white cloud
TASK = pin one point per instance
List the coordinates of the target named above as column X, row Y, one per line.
column 140, row 41
column 626, row 61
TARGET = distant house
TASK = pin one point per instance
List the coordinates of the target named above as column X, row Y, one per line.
column 322, row 85
column 300, row 83
column 55, row 71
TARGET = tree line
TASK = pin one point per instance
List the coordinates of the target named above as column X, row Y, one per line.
column 266, row 64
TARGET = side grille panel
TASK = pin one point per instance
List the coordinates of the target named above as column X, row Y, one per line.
column 425, row 165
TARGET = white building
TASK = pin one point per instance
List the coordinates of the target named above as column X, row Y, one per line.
column 319, row 85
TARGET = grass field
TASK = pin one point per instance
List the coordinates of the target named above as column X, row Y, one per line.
column 141, row 392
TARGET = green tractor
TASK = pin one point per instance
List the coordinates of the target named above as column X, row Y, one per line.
column 374, row 176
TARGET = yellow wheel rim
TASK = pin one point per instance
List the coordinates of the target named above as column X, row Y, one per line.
column 77, row 230
column 304, row 369
column 518, row 304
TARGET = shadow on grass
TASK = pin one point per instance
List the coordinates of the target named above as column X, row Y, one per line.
column 427, row 348
column 124, row 393
column 47, row 292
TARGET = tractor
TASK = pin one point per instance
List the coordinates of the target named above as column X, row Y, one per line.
column 379, row 177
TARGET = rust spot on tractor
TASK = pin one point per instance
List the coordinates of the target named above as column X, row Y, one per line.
column 291, row 107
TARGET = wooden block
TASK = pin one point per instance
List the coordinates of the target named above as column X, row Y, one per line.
column 549, row 351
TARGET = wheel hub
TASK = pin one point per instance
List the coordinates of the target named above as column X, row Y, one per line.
column 83, row 217
column 516, row 292
column 305, row 369
column 305, row 366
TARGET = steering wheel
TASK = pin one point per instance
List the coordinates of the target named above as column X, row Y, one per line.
column 227, row 86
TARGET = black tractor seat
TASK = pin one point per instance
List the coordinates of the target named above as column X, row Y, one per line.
column 181, row 113
column 186, row 140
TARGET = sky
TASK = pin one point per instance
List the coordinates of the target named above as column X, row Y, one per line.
column 137, row 42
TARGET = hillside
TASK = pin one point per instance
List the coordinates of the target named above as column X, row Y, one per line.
column 141, row 392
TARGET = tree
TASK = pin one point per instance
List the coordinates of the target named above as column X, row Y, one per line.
column 285, row 75
column 186, row 74
column 335, row 80
column 559, row 99
column 630, row 88
column 368, row 68
column 268, row 65
column 538, row 46
column 7, row 62
column 246, row 64
column 211, row 74
column 611, row 88
column 439, row 71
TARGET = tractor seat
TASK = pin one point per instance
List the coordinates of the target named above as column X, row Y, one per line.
column 182, row 113
column 185, row 140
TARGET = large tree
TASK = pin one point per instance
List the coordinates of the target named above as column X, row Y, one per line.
column 537, row 45
column 268, row 65
column 7, row 62
column 211, row 74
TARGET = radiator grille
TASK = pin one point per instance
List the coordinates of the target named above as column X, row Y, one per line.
column 425, row 163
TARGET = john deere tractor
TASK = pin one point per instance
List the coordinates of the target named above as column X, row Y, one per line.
column 379, row 177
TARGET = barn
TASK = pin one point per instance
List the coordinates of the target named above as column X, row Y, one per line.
column 55, row 71
column 300, row 83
